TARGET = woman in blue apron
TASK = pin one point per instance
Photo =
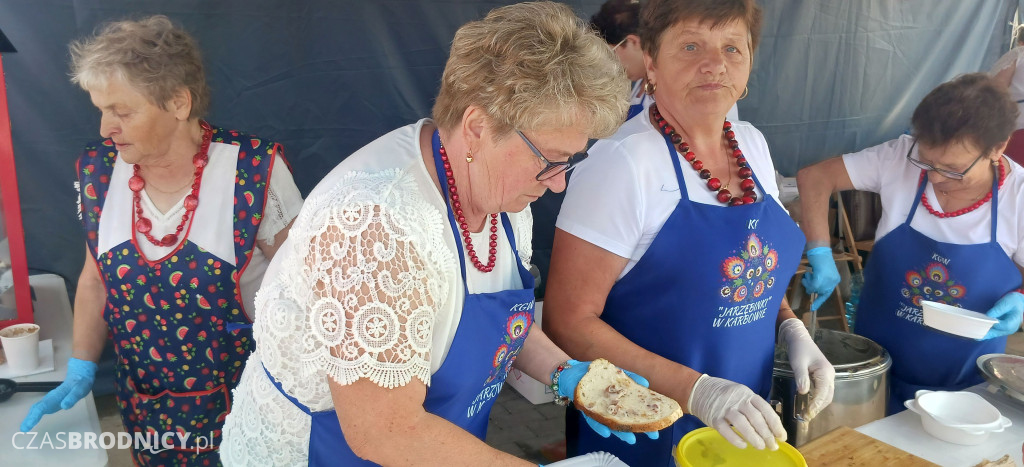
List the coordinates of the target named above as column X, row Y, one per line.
column 618, row 22
column 165, row 276
column 391, row 318
column 672, row 254
column 949, row 233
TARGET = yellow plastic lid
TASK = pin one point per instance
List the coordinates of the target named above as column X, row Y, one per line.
column 705, row 447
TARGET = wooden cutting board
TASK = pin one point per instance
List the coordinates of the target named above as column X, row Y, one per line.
column 846, row 447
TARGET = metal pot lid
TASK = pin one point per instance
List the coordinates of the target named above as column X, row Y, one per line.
column 852, row 355
column 1004, row 371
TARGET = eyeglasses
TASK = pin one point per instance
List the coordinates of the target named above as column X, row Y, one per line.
column 553, row 169
column 943, row 172
column 617, row 45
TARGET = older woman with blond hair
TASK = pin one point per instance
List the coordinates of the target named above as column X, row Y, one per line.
column 181, row 220
column 400, row 301
column 672, row 252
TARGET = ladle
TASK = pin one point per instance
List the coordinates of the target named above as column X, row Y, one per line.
column 8, row 387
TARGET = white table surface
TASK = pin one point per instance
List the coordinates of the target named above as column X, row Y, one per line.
column 53, row 314
column 904, row 431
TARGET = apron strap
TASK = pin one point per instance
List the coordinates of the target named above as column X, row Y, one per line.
column 917, row 197
column 524, row 275
column 995, row 199
column 674, row 155
column 280, row 389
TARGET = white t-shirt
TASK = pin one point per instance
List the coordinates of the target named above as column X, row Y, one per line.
column 640, row 97
column 619, row 198
column 213, row 228
column 1012, row 59
column 884, row 169
column 367, row 286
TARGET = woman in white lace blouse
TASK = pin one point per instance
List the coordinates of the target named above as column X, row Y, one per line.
column 389, row 319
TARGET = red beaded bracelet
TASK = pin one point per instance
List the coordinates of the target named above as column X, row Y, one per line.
column 560, row 400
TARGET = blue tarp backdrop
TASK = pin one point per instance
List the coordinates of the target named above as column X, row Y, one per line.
column 325, row 77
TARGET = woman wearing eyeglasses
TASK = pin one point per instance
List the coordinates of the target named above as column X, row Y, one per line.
column 617, row 22
column 950, row 232
column 391, row 317
column 672, row 253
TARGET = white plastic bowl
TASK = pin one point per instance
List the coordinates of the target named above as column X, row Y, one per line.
column 957, row 417
column 594, row 459
column 955, row 320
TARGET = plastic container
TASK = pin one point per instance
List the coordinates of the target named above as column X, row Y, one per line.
column 856, row 284
column 594, row 459
column 957, row 417
column 956, row 320
column 704, row 447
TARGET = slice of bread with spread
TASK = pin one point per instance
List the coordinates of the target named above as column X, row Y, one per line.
column 612, row 398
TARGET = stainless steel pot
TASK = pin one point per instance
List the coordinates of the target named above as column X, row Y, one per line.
column 862, row 386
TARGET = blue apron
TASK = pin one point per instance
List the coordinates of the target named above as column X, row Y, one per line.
column 637, row 99
column 491, row 332
column 907, row 267
column 706, row 294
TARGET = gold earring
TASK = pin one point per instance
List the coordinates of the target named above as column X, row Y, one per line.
column 649, row 88
column 469, row 156
column 746, row 91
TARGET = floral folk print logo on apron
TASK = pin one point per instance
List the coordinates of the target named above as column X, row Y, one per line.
column 515, row 336
column 932, row 283
column 749, row 274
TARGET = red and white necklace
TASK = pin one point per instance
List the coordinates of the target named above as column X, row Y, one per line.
column 457, row 208
column 746, row 184
column 142, row 224
column 960, row 212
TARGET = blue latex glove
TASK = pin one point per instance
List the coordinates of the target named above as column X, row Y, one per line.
column 1009, row 310
column 823, row 277
column 567, row 383
column 77, row 384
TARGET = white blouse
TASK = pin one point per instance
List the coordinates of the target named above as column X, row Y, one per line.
column 212, row 224
column 621, row 196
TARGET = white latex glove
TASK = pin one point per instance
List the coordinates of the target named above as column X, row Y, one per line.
column 720, row 403
column 811, row 369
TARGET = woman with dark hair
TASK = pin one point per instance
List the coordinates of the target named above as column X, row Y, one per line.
column 672, row 253
column 950, row 232
column 618, row 22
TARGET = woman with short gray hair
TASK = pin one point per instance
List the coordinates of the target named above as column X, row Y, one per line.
column 181, row 220
column 395, row 310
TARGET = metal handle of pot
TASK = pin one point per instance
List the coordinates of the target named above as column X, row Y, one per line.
column 800, row 404
column 814, row 315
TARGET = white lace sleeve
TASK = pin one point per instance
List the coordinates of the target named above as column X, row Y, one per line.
column 283, row 202
column 358, row 289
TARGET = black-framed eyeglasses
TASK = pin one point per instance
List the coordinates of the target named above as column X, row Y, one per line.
column 553, row 169
column 945, row 173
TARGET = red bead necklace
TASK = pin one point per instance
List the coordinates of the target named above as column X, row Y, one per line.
column 137, row 184
column 457, row 207
column 960, row 212
column 746, row 184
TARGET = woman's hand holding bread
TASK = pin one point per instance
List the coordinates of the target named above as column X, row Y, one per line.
column 617, row 401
